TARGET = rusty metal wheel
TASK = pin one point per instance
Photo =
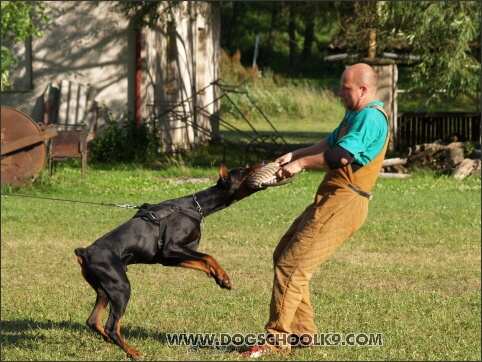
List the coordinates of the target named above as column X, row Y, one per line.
column 24, row 151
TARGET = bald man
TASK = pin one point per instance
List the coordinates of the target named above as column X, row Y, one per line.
column 352, row 155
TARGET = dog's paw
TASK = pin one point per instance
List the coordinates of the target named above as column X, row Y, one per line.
column 220, row 277
column 133, row 353
column 107, row 339
column 223, row 282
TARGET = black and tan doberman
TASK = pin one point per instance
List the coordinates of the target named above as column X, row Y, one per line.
column 167, row 233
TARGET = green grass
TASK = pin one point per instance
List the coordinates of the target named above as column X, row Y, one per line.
column 411, row 273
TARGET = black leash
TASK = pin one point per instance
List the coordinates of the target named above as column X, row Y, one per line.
column 125, row 206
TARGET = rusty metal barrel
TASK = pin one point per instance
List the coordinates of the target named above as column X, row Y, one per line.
column 23, row 146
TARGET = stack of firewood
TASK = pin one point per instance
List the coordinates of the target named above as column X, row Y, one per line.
column 458, row 159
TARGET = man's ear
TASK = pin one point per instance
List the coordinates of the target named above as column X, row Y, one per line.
column 223, row 173
column 364, row 91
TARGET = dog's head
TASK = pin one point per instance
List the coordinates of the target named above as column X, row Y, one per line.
column 235, row 181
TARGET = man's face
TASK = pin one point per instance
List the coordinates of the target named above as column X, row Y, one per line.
column 350, row 92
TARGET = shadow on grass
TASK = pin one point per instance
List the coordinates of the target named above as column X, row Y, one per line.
column 292, row 138
column 28, row 332
column 230, row 149
column 25, row 332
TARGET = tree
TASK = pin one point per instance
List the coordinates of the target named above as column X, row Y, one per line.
column 293, row 44
column 314, row 15
column 151, row 13
column 18, row 24
column 274, row 24
column 444, row 34
column 231, row 28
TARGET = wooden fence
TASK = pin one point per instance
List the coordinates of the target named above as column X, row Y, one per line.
column 418, row 128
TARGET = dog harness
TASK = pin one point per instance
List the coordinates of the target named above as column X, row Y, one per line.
column 158, row 214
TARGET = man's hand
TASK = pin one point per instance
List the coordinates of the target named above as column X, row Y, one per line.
column 289, row 169
column 285, row 159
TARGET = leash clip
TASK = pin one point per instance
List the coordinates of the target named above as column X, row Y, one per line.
column 199, row 209
column 127, row 206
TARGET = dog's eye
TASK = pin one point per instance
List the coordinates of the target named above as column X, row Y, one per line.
column 245, row 171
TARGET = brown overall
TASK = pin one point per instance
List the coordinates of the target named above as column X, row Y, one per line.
column 336, row 214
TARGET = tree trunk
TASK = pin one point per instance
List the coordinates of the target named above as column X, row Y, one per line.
column 394, row 161
column 308, row 42
column 292, row 37
column 464, row 168
column 275, row 13
column 372, row 43
column 394, row 175
column 232, row 26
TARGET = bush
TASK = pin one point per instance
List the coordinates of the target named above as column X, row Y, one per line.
column 125, row 141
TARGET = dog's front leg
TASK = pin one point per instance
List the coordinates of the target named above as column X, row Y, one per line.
column 209, row 265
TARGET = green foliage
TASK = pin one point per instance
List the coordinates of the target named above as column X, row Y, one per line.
column 444, row 34
column 242, row 21
column 123, row 140
column 8, row 63
column 153, row 13
column 18, row 24
column 18, row 19
column 145, row 13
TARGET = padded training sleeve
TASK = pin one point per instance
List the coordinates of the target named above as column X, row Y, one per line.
column 334, row 155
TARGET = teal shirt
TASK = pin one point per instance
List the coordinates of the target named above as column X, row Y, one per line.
column 367, row 133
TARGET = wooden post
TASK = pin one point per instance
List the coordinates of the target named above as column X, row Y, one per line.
column 387, row 93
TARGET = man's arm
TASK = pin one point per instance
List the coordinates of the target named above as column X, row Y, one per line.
column 311, row 157
column 303, row 152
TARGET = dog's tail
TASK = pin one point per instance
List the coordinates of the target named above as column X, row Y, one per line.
column 82, row 259
column 81, row 255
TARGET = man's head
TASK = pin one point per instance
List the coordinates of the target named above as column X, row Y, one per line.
column 358, row 86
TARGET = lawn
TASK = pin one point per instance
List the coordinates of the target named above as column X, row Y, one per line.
column 411, row 274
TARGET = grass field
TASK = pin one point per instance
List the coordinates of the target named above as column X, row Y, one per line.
column 412, row 273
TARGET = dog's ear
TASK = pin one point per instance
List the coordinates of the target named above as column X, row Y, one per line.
column 223, row 173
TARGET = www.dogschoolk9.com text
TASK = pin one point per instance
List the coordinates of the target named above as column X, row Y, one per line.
column 253, row 339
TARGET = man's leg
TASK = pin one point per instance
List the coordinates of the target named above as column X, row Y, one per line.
column 320, row 231
column 288, row 235
column 303, row 321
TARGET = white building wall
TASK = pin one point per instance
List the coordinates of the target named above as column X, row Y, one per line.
column 191, row 70
column 89, row 42
column 85, row 42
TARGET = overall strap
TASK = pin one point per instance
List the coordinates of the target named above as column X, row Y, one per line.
column 380, row 109
column 363, row 177
column 367, row 175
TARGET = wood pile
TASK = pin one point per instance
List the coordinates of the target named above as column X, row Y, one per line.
column 458, row 159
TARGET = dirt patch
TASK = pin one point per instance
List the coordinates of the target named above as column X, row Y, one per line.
column 184, row 180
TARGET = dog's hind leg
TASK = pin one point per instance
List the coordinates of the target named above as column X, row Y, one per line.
column 118, row 292
column 95, row 319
